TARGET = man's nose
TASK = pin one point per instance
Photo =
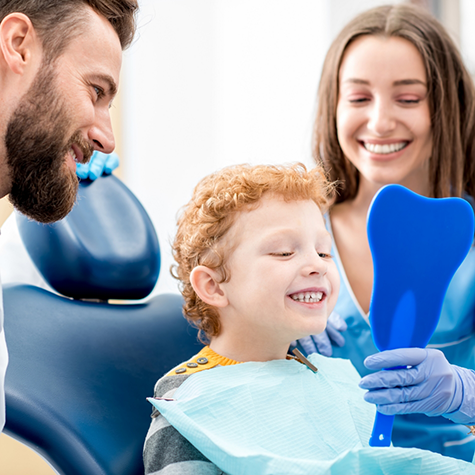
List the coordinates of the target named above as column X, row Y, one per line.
column 101, row 134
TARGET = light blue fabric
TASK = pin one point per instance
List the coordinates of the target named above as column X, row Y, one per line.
column 454, row 335
column 279, row 418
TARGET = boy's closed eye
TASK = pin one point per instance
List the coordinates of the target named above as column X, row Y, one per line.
column 323, row 255
column 282, row 253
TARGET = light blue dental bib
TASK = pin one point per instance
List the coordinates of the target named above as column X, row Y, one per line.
column 279, row 418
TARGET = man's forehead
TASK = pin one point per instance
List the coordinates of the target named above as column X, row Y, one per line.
column 96, row 51
column 96, row 28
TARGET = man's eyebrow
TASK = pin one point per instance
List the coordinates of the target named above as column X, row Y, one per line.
column 112, row 86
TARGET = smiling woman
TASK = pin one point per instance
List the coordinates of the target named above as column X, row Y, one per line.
column 397, row 105
column 383, row 120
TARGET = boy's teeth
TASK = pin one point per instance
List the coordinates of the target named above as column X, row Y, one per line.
column 384, row 148
column 308, row 296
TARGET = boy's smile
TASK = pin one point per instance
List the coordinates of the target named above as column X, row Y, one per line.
column 309, row 296
column 283, row 282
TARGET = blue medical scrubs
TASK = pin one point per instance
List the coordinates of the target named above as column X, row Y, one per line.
column 454, row 335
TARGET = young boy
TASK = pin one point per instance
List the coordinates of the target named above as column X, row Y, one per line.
column 254, row 260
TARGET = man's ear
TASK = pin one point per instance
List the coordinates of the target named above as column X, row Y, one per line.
column 18, row 39
column 205, row 282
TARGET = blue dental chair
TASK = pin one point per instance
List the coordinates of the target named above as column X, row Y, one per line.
column 81, row 367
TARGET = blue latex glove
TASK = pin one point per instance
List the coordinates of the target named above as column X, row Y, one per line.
column 99, row 164
column 322, row 343
column 430, row 385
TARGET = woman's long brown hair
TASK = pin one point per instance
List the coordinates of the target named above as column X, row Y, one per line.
column 451, row 101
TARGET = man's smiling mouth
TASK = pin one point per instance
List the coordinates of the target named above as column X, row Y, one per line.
column 73, row 154
column 76, row 153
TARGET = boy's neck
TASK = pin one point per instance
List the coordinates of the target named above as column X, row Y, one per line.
column 248, row 349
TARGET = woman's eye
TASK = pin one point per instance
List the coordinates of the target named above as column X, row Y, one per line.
column 409, row 99
column 358, row 100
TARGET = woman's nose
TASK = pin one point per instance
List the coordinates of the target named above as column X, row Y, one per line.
column 381, row 120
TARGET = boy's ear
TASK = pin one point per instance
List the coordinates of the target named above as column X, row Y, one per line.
column 205, row 282
column 18, row 38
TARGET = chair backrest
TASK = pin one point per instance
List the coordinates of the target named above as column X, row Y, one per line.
column 80, row 371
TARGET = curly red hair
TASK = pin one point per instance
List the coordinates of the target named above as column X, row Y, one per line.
column 211, row 212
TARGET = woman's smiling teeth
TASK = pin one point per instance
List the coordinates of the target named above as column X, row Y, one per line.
column 384, row 148
column 311, row 297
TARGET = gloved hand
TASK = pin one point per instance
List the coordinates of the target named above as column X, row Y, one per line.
column 430, row 385
column 323, row 341
column 100, row 163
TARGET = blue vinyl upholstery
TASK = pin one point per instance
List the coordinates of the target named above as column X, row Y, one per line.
column 106, row 248
column 80, row 371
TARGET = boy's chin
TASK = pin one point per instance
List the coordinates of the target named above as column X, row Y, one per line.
column 315, row 332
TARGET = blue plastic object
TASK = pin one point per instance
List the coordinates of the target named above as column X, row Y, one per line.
column 417, row 244
column 106, row 248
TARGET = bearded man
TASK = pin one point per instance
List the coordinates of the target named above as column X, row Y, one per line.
column 59, row 71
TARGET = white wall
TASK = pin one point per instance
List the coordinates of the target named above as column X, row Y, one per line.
column 209, row 83
column 467, row 33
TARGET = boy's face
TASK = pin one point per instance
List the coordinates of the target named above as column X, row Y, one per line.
column 284, row 283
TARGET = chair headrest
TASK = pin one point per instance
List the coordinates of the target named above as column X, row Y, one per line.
column 106, row 248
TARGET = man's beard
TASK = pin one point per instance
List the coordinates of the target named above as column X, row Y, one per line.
column 44, row 188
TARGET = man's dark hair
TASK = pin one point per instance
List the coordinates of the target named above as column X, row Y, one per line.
column 57, row 22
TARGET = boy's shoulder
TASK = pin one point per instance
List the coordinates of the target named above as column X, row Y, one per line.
column 205, row 359
column 166, row 386
column 177, row 376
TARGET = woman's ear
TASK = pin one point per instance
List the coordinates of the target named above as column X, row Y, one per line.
column 205, row 282
column 18, row 39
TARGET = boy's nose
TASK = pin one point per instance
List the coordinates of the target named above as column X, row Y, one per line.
column 315, row 265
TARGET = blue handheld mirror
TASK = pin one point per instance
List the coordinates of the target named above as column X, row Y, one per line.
column 417, row 244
